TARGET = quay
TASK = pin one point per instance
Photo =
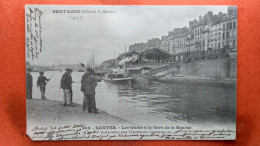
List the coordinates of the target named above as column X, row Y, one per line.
column 52, row 113
column 198, row 80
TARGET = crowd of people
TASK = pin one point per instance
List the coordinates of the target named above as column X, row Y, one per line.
column 88, row 84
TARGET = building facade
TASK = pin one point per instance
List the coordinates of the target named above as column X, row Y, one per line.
column 207, row 33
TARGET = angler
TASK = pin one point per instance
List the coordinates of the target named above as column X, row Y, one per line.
column 41, row 82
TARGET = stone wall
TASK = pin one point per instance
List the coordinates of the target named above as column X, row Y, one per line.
column 209, row 68
column 151, row 65
column 233, row 68
column 217, row 68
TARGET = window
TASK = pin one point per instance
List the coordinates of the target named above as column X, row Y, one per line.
column 227, row 35
column 219, row 45
column 227, row 44
column 223, row 35
column 224, row 26
column 234, row 24
column 230, row 25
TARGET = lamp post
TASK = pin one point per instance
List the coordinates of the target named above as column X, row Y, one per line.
column 153, row 57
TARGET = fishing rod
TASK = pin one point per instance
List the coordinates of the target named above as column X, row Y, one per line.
column 52, row 74
column 51, row 77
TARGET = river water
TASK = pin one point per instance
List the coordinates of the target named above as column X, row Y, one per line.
column 154, row 103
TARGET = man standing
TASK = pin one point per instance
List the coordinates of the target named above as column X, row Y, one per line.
column 89, row 93
column 41, row 82
column 66, row 85
column 29, row 84
column 83, row 78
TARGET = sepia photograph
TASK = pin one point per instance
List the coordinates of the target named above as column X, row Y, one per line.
column 103, row 72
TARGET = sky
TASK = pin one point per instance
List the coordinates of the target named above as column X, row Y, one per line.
column 68, row 41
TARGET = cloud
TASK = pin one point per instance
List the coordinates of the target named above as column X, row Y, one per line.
column 71, row 41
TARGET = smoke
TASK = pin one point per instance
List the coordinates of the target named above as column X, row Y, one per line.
column 128, row 59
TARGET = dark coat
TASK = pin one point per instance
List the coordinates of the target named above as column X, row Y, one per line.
column 84, row 76
column 29, row 81
column 90, row 85
column 42, row 81
column 66, row 81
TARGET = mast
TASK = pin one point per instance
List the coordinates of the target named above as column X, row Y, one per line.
column 59, row 66
column 125, row 48
column 89, row 62
column 93, row 63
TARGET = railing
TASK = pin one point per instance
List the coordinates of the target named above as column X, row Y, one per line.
column 170, row 72
column 150, row 63
column 160, row 69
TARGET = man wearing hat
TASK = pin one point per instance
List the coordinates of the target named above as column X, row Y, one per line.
column 83, row 78
column 41, row 82
column 29, row 83
column 89, row 91
column 66, row 85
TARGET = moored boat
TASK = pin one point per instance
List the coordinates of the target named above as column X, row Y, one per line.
column 117, row 76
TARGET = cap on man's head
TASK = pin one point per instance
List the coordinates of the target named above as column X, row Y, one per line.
column 68, row 69
column 41, row 72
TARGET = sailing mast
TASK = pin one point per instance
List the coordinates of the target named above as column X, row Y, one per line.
column 89, row 62
column 93, row 65
column 59, row 66
column 125, row 48
column 114, row 55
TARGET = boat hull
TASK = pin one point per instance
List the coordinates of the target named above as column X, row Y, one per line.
column 119, row 79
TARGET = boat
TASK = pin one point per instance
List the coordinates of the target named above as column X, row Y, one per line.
column 117, row 75
column 113, row 77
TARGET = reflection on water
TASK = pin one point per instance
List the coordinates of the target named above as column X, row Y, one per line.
column 154, row 103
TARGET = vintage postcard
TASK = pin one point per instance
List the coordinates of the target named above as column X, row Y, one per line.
column 131, row 72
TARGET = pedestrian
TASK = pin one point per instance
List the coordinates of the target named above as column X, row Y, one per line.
column 29, row 83
column 66, row 85
column 173, row 74
column 83, row 78
column 89, row 93
column 42, row 82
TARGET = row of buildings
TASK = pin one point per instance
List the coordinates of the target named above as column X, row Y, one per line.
column 209, row 32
